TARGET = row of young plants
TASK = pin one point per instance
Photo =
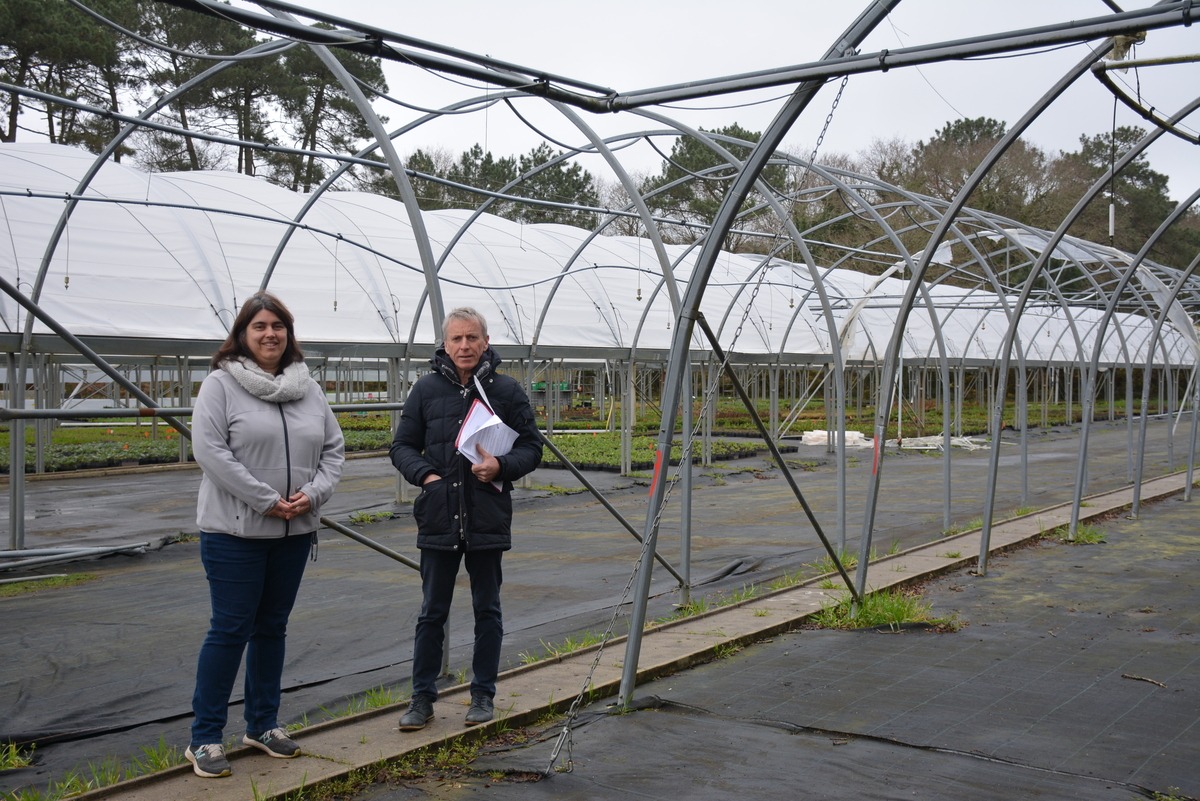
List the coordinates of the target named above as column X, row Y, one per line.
column 79, row 448
column 602, row 451
column 85, row 448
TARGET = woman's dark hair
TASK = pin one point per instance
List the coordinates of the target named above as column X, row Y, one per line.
column 234, row 345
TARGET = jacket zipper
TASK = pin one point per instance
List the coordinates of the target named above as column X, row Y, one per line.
column 463, row 478
column 287, row 461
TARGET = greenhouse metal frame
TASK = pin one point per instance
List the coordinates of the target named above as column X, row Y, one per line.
column 110, row 269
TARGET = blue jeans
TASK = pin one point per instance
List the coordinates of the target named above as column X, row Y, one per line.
column 438, row 572
column 252, row 585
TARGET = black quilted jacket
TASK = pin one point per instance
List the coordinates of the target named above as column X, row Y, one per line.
column 460, row 511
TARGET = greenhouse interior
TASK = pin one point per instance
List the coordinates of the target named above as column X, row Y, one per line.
column 807, row 291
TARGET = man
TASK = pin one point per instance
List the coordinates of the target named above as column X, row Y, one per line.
column 461, row 515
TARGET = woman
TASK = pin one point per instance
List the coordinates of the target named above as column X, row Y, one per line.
column 271, row 453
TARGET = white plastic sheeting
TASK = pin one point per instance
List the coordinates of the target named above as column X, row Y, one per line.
column 172, row 255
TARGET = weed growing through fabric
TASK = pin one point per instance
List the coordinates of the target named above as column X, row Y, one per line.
column 12, row 757
column 725, row 650
column 364, row 518
column 381, row 696
column 554, row 489
column 570, row 645
column 786, row 581
column 48, row 583
column 1172, row 794
column 826, row 565
column 746, row 592
column 892, row 607
column 105, row 773
column 155, row 758
column 695, row 606
column 970, row 525
column 1085, row 534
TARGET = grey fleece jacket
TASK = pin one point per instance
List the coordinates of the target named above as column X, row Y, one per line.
column 254, row 452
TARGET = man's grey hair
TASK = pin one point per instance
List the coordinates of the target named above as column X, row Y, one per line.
column 464, row 314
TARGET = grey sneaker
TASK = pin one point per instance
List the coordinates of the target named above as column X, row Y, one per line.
column 208, row 761
column 420, row 712
column 274, row 743
column 480, row 711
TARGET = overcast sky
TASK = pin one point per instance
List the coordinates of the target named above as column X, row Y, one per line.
column 637, row 44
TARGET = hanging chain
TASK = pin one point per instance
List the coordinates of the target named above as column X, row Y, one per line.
column 566, row 736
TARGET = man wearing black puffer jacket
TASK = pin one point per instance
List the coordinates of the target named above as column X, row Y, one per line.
column 461, row 515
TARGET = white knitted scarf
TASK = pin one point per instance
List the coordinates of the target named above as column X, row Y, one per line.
column 290, row 385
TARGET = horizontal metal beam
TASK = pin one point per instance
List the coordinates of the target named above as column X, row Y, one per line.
column 1071, row 31
column 161, row 411
column 387, row 44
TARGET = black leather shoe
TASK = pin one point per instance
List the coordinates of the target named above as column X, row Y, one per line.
column 480, row 711
column 420, row 712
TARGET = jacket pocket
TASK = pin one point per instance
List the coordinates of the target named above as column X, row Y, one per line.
column 432, row 508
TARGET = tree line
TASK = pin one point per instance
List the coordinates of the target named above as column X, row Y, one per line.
column 1028, row 185
column 291, row 110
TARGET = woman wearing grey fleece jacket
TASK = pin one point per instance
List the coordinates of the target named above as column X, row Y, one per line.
column 271, row 452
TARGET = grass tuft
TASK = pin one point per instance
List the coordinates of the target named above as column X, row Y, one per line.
column 892, row 608
column 42, row 584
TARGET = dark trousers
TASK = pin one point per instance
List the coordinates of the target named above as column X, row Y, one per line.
column 438, row 572
column 252, row 586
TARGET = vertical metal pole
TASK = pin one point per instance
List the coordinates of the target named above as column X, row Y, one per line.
column 773, row 388
column 709, row 410
column 397, row 392
column 183, row 371
column 16, row 460
column 39, row 402
column 627, row 418
column 685, row 467
column 1191, row 465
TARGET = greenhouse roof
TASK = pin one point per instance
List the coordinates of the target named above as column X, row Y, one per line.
column 171, row 256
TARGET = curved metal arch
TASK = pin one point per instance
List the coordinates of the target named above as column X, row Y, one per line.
column 261, row 50
column 601, row 146
column 712, row 141
column 938, row 338
column 399, row 175
column 16, row 511
column 672, row 387
column 1093, row 366
column 1195, row 374
column 818, row 287
column 1023, row 299
column 329, row 182
column 379, row 300
column 958, row 203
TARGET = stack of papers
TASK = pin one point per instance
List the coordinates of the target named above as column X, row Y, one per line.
column 483, row 428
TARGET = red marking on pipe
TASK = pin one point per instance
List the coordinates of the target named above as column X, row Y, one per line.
column 658, row 463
